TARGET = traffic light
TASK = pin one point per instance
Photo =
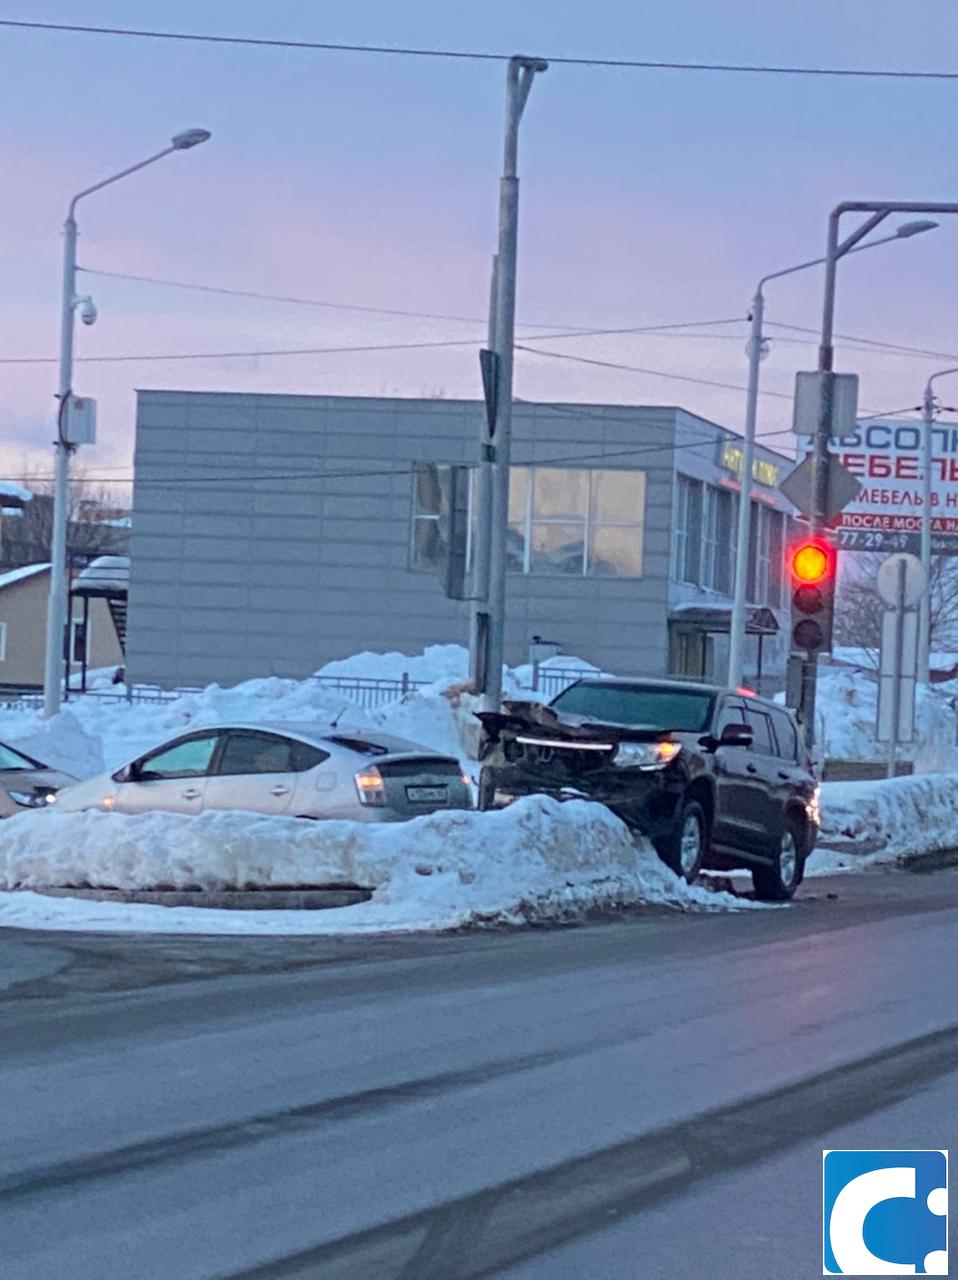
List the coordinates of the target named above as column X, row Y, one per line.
column 811, row 566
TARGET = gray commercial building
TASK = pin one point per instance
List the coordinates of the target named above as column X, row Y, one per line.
column 273, row 533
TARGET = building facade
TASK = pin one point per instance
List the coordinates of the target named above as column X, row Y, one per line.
column 272, row 534
column 24, row 595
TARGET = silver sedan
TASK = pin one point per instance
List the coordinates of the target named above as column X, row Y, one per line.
column 302, row 770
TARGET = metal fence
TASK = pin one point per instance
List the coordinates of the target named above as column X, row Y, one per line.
column 368, row 692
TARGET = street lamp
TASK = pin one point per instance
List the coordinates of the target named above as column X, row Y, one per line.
column 756, row 350
column 929, row 408
column 63, row 447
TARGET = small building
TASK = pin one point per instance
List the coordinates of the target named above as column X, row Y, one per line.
column 274, row 533
column 23, row 620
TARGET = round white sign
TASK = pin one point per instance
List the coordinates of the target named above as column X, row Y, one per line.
column 889, row 579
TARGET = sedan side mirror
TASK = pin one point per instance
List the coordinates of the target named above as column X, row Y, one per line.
column 126, row 774
column 736, row 735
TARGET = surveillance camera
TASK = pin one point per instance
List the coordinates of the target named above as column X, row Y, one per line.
column 88, row 311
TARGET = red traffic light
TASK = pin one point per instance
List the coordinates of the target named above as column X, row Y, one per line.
column 811, row 561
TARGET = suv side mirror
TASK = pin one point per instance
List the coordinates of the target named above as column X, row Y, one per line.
column 736, row 735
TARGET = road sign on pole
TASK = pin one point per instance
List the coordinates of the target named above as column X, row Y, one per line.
column 900, row 588
column 809, row 392
column 843, row 488
column 915, row 579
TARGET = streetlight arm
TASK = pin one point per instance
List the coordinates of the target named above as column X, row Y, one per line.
column 117, row 176
column 934, row 377
column 848, row 244
column 817, row 262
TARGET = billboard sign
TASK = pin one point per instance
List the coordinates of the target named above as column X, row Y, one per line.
column 886, row 516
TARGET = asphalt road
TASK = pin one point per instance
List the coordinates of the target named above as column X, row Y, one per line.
column 639, row 1098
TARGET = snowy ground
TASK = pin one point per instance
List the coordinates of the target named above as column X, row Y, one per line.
column 848, row 711
column 865, row 823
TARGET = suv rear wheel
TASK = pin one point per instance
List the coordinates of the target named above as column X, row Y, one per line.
column 778, row 882
column 684, row 849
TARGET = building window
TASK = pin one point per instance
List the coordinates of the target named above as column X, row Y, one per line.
column 576, row 522
column 3, row 642
column 561, row 521
column 687, row 532
column 425, row 550
column 766, row 551
column 717, row 540
column 79, row 642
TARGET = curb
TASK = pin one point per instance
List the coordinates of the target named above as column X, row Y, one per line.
column 222, row 899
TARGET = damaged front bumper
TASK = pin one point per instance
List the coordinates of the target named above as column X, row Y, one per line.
column 528, row 749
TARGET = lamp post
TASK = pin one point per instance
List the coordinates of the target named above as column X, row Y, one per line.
column 756, row 350
column 487, row 639
column 57, row 604
column 878, row 210
column 929, row 409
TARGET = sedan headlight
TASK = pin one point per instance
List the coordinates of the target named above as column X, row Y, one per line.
column 33, row 799
column 646, row 755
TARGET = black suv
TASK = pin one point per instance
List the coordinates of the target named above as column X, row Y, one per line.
column 713, row 778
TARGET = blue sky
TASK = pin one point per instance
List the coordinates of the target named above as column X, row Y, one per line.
column 648, row 196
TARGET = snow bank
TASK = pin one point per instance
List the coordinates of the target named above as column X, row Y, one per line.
column 864, row 823
column 538, row 859
column 848, row 712
column 93, row 734
column 449, row 662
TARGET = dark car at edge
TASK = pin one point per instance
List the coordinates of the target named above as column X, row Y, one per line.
column 715, row 779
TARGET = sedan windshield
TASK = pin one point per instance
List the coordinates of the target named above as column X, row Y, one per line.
column 11, row 760
column 638, row 706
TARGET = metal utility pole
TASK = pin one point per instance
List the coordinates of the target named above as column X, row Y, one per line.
column 482, row 494
column 736, row 637
column 57, row 603
column 929, row 407
column 878, row 211
column 756, row 352
column 497, row 449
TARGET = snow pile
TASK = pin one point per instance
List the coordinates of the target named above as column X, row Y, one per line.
column 448, row 662
column 93, row 734
column 868, row 822
column 538, row 859
column 847, row 716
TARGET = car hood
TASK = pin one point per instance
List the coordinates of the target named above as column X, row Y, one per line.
column 86, row 794
column 525, row 717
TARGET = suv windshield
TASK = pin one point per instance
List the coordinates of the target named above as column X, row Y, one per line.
column 638, row 706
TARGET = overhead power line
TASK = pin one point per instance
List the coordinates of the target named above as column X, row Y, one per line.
column 654, row 373
column 562, row 331
column 475, row 55
column 347, row 350
column 569, row 330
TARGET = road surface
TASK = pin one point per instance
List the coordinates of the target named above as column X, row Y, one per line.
column 641, row 1098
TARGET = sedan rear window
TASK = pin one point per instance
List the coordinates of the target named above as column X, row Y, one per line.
column 360, row 745
column 638, row 706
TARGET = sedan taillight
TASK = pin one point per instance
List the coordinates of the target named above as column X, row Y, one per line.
column 370, row 787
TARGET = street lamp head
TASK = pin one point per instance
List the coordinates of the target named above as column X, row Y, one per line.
column 189, row 138
column 914, row 228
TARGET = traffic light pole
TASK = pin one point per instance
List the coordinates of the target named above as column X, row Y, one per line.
column 878, row 211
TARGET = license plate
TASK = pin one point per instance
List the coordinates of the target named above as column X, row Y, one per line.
column 424, row 795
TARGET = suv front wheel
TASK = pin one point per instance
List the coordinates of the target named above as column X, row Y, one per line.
column 778, row 882
column 684, row 849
